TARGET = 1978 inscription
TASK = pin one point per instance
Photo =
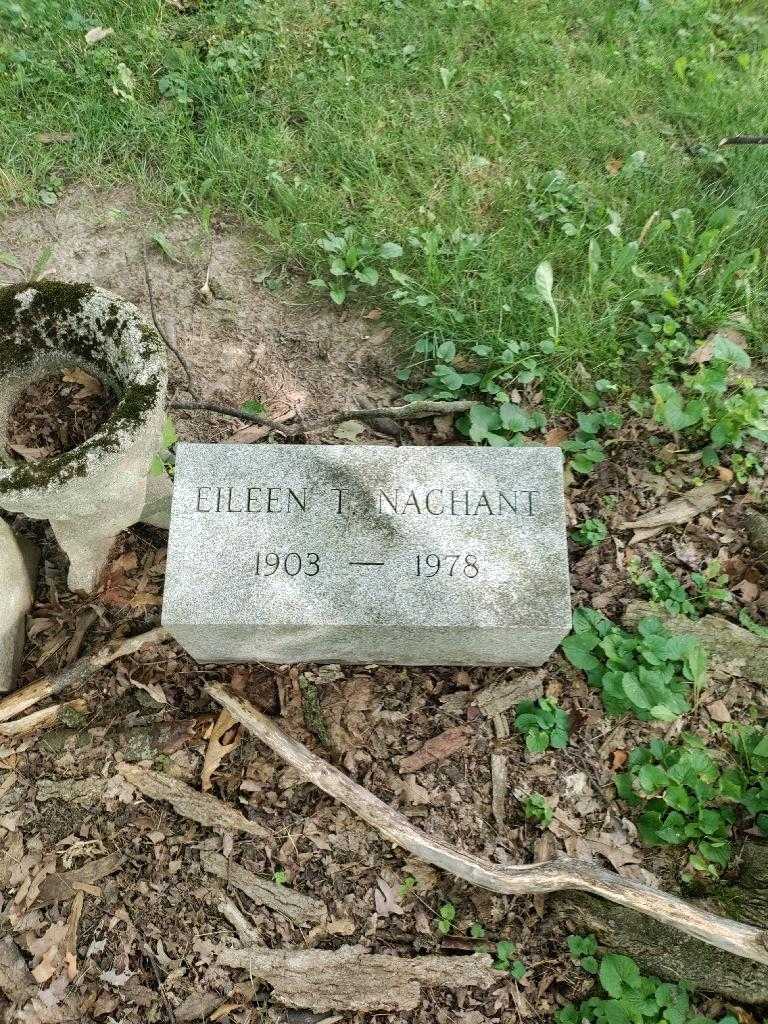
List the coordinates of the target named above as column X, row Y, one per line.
column 436, row 501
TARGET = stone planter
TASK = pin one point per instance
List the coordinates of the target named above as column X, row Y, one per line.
column 94, row 491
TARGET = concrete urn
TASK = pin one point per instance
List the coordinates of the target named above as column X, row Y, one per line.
column 95, row 490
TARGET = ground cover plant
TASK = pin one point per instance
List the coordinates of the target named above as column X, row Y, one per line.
column 707, row 589
column 690, row 795
column 543, row 724
column 648, row 673
column 625, row 995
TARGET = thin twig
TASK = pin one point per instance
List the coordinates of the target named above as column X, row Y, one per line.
column 164, row 334
column 42, row 719
column 230, row 410
column 76, row 673
column 744, row 140
column 414, row 411
column 523, row 879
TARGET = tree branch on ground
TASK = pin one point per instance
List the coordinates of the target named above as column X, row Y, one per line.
column 524, row 879
column 76, row 673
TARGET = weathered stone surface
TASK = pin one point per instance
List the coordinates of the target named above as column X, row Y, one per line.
column 157, row 506
column 18, row 565
column 97, row 489
column 361, row 554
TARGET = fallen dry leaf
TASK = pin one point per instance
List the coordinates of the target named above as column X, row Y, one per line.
column 89, row 385
column 749, row 591
column 618, row 759
column 718, row 711
column 436, row 749
column 386, row 899
column 216, row 751
column 48, row 952
column 95, row 35
column 555, row 436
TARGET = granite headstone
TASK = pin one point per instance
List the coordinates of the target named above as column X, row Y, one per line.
column 367, row 554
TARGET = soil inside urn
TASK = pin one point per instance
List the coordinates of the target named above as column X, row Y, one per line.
column 57, row 413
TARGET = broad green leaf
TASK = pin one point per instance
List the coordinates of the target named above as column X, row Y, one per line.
column 390, row 251
column 514, row 418
column 368, row 275
column 652, row 778
column 664, row 712
column 634, row 692
column 577, row 648
column 536, row 741
column 678, row 798
column 482, row 420
column 717, row 853
column 732, row 353
column 696, row 663
column 618, row 973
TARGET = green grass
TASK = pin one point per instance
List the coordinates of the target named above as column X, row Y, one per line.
column 431, row 124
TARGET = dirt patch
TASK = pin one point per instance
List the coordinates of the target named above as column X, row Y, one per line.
column 243, row 341
column 57, row 413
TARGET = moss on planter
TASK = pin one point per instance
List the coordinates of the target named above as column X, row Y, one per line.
column 55, row 327
column 52, row 319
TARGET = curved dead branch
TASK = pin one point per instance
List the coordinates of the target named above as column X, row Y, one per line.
column 553, row 876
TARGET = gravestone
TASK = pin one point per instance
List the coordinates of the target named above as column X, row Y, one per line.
column 364, row 554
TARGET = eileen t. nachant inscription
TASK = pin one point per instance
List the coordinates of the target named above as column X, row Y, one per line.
column 364, row 554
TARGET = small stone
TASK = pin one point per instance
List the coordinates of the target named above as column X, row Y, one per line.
column 368, row 554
